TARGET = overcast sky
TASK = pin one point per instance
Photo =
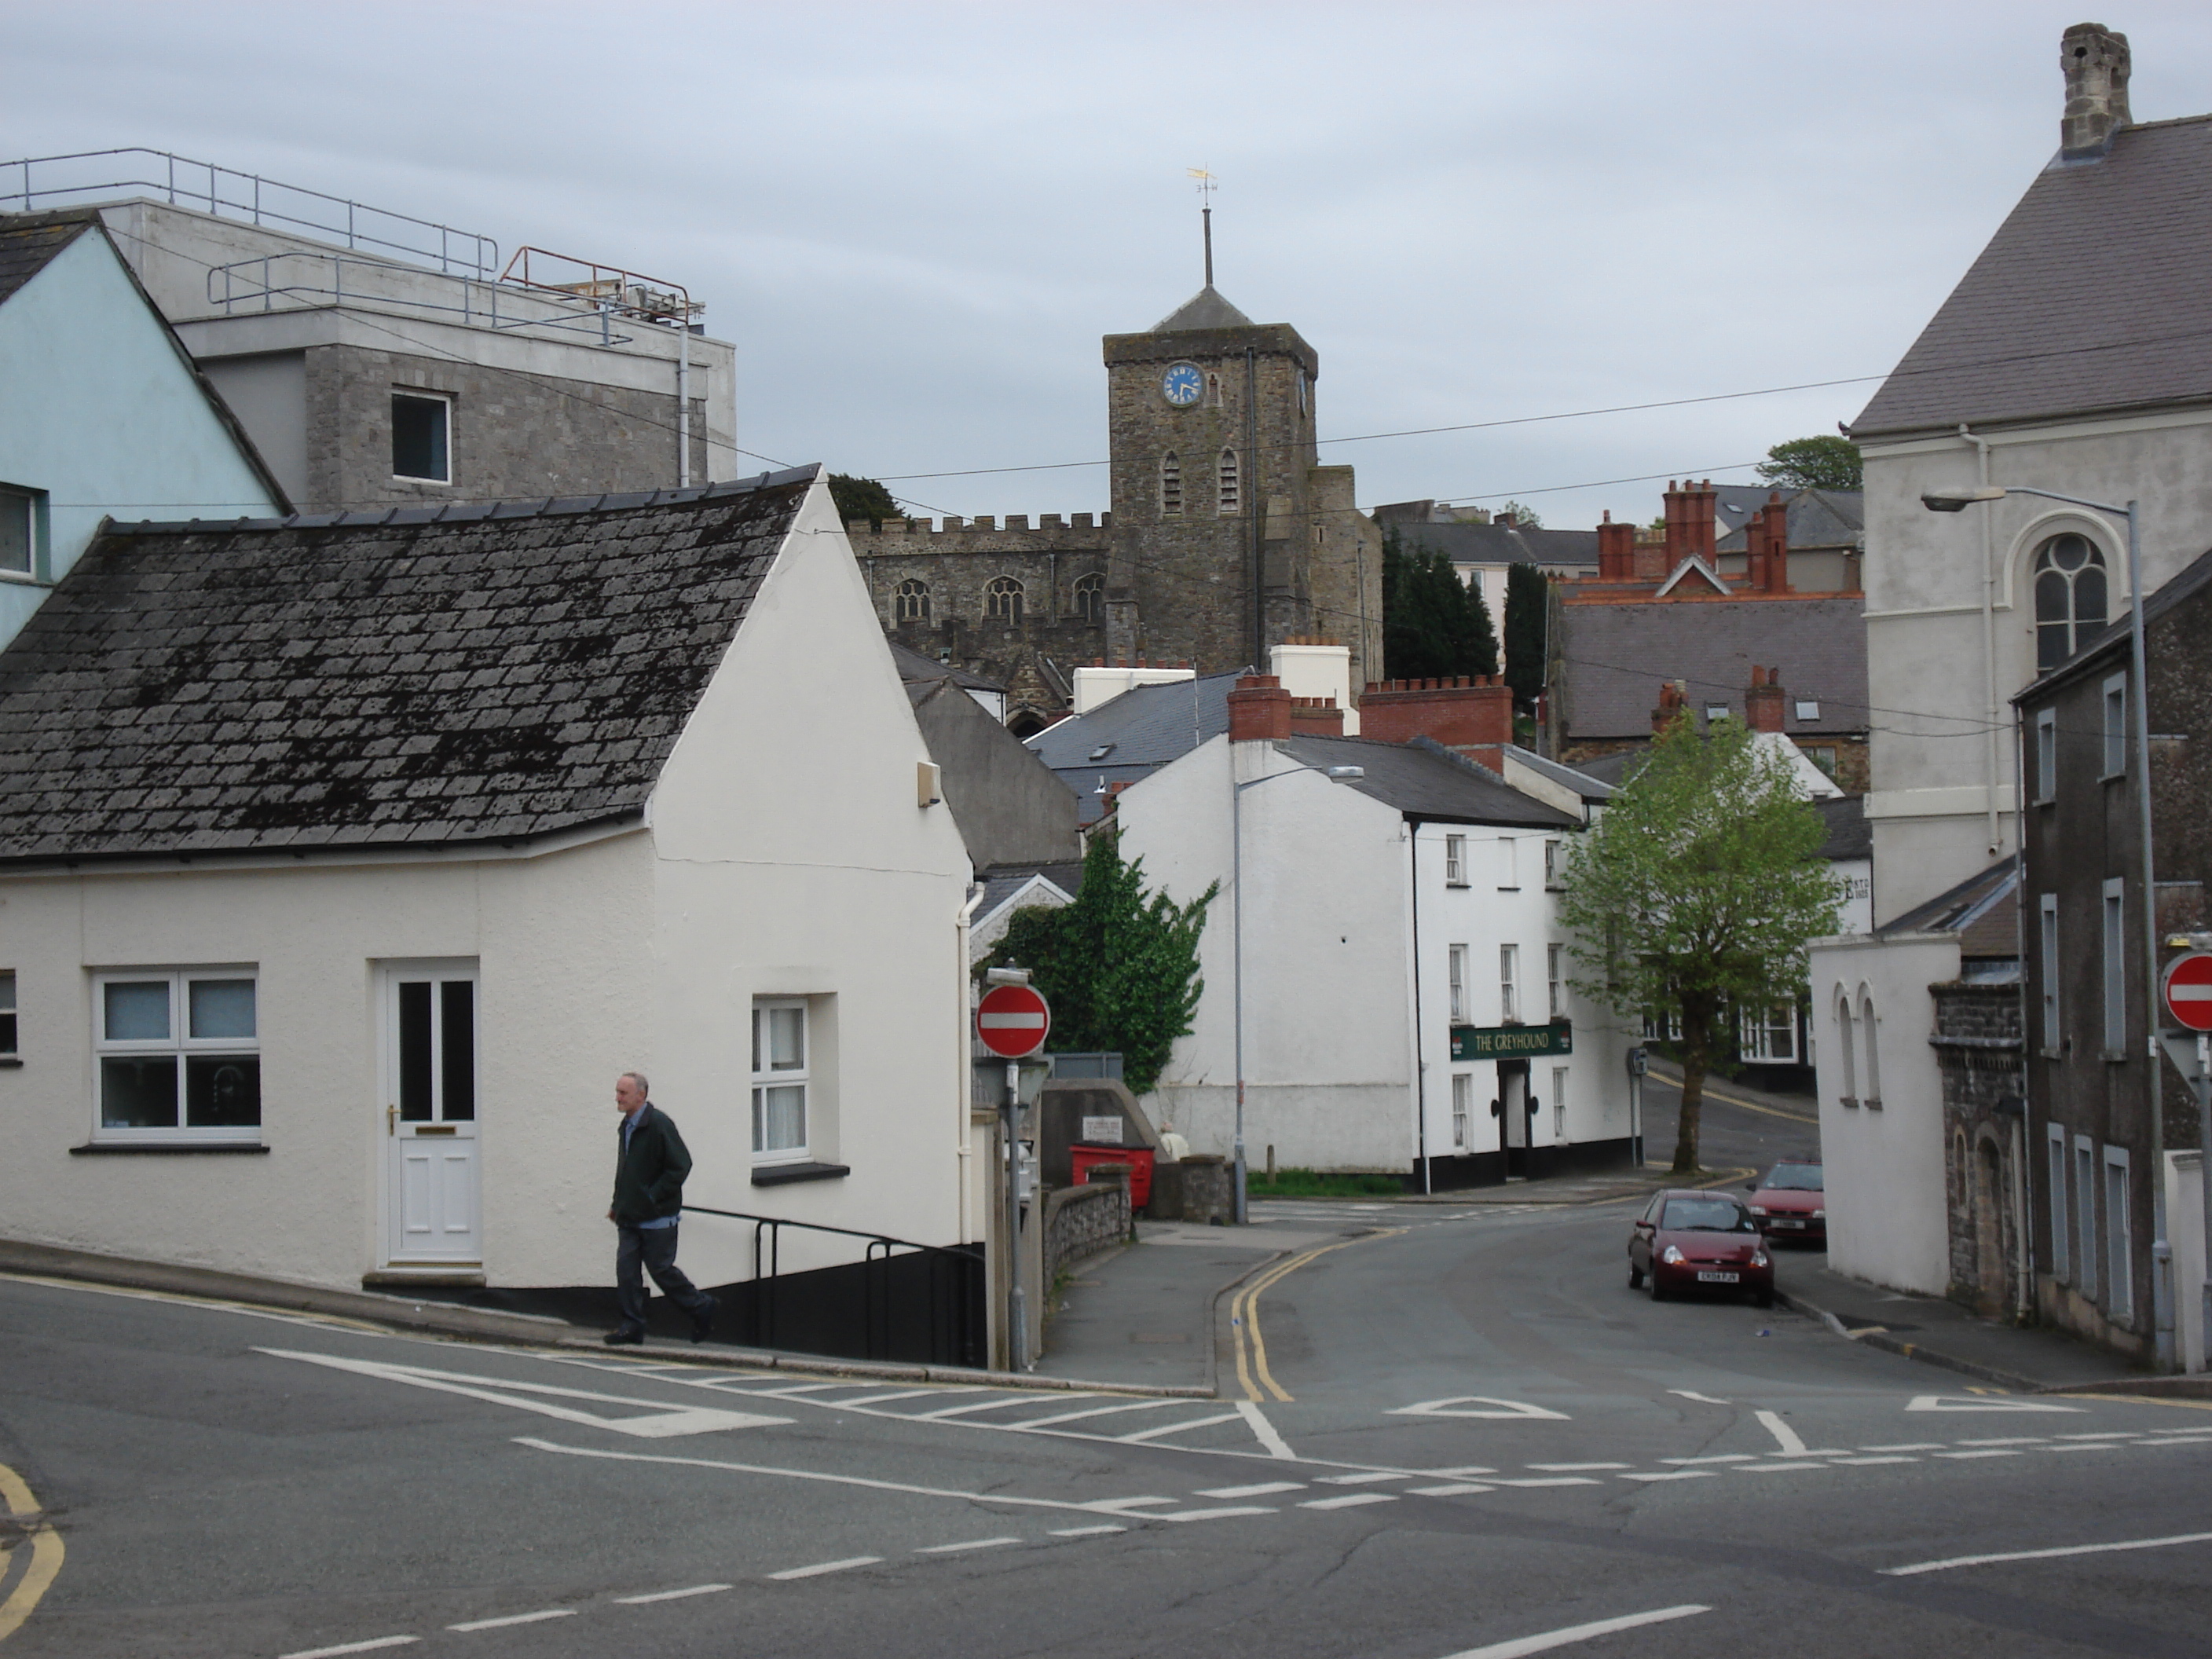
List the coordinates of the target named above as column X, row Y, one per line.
column 916, row 221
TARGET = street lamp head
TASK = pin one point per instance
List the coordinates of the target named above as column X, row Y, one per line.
column 1346, row 773
column 1958, row 501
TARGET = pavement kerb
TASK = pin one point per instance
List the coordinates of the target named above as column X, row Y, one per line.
column 1888, row 1344
column 492, row 1329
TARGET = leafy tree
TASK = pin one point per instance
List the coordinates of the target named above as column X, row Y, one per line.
column 1696, row 891
column 1434, row 625
column 1528, row 597
column 1524, row 516
column 863, row 498
column 1118, row 967
column 1825, row 462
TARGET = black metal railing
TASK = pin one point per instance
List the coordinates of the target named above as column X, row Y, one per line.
column 901, row 1301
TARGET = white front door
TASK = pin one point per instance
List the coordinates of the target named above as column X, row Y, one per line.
column 433, row 1177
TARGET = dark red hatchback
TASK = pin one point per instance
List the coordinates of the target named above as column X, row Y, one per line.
column 1789, row 1202
column 1688, row 1241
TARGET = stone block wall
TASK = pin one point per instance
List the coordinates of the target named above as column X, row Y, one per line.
column 1979, row 1055
column 1081, row 1221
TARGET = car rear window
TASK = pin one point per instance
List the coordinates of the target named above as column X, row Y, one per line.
column 1707, row 1215
column 1794, row 1178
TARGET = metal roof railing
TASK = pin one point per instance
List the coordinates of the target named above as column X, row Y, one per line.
column 63, row 181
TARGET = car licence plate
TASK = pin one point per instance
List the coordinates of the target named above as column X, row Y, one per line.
column 1790, row 1223
column 1720, row 1279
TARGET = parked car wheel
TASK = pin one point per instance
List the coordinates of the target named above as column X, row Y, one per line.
column 1635, row 1277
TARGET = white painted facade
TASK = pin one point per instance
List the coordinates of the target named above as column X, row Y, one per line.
column 102, row 416
column 1872, row 1015
column 1347, row 1011
column 783, row 855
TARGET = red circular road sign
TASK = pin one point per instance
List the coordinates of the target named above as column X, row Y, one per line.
column 1012, row 1020
column 2186, row 990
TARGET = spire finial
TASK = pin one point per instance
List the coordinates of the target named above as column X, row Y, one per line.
column 1207, row 185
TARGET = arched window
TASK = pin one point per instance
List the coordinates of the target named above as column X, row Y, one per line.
column 1846, row 1049
column 1869, row 1033
column 1213, row 392
column 1091, row 597
column 1170, row 483
column 1002, row 600
column 1230, row 492
column 2069, row 597
column 910, row 603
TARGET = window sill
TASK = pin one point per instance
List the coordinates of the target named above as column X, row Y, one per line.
column 24, row 579
column 1849, row 1103
column 442, row 483
column 164, row 1148
column 9, row 1062
column 1872, row 1102
column 786, row 1175
column 1514, row 889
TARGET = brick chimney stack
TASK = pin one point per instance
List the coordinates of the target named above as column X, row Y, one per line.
column 1674, row 698
column 1317, row 717
column 1616, row 551
column 1260, row 710
column 1766, row 547
column 1473, row 717
column 2096, row 63
column 1762, row 703
column 1691, row 530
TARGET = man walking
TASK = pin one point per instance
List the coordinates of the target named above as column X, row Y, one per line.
column 650, row 1165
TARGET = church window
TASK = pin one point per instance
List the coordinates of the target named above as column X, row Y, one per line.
column 911, row 602
column 1002, row 600
column 1229, row 482
column 1301, row 391
column 1091, row 597
column 1170, row 483
column 1213, row 392
column 2069, row 597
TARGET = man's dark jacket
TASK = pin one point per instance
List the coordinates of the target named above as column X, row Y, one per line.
column 649, row 1172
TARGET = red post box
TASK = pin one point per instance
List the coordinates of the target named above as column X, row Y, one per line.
column 1084, row 1159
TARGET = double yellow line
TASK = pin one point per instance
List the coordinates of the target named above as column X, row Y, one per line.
column 1252, row 1372
column 45, row 1553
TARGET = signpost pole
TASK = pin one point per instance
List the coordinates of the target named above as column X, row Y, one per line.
column 2204, row 1175
column 1013, row 1021
column 1017, row 1305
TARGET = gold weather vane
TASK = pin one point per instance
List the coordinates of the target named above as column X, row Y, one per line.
column 1207, row 184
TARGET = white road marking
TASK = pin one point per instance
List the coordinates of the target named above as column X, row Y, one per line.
column 1955, row 1402
column 1675, row 1474
column 972, row 1544
column 1550, row 1480
column 1367, row 1480
column 1570, row 1468
column 1117, row 1505
column 1265, row 1489
column 1347, row 1500
column 1716, row 1457
column 1098, row 1411
column 2093, row 1445
column 1702, row 1399
column 1264, row 1431
column 1979, row 1454
column 1464, row 1468
column 2046, row 1555
column 795, row 1388
column 1863, row 1462
column 660, row 1422
column 903, row 1393
column 821, row 1567
column 1456, row 1405
column 1084, row 1532
column 982, row 1406
column 516, row 1619
column 2111, row 1434
column 1560, row 1639
column 1143, row 1435
column 1449, row 1489
column 1208, row 1514
column 671, row 1595
column 370, row 1646
column 1785, row 1435
column 2008, row 1440
column 1909, row 1446
column 1775, row 1468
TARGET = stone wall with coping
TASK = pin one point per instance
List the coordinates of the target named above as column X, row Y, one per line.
column 1081, row 1221
column 1979, row 1056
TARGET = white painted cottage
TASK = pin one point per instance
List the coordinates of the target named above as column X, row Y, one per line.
column 346, row 859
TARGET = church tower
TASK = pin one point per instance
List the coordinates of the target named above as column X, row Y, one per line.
column 1229, row 536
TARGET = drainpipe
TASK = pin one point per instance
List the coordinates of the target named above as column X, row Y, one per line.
column 683, row 400
column 1989, row 646
column 1420, row 1065
column 2022, row 1180
column 966, row 1150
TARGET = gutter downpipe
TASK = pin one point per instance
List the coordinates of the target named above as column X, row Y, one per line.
column 1420, row 1065
column 964, row 1153
column 2022, row 1186
column 683, row 400
column 1988, row 646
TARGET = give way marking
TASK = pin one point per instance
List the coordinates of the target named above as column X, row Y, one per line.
column 659, row 1421
column 1952, row 1402
column 1477, row 1405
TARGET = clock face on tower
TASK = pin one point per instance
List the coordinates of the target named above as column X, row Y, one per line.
column 1182, row 384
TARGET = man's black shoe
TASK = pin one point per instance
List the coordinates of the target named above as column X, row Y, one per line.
column 702, row 1324
column 623, row 1339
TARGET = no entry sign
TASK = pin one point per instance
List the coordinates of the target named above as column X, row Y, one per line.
column 1012, row 1020
column 2186, row 990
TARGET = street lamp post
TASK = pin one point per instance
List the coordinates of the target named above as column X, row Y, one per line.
column 1957, row 501
column 1335, row 775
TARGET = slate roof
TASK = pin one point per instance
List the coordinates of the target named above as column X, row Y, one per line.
column 2091, row 296
column 1498, row 543
column 1979, row 910
column 417, row 676
column 1427, row 781
column 28, row 243
column 1850, row 834
column 1817, row 518
column 916, row 669
column 1618, row 654
column 1203, row 309
column 1141, row 730
column 1583, row 783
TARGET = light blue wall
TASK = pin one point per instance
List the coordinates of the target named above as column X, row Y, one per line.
column 98, row 410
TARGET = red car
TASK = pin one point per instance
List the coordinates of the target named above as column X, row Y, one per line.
column 1692, row 1240
column 1789, row 1204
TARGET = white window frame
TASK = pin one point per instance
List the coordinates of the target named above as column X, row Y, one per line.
column 802, row 1078
column 2119, row 1249
column 9, row 1036
column 1455, row 983
column 1554, row 981
column 1559, row 1104
column 1807, row 709
column 33, row 506
column 1716, row 711
column 1847, row 1049
column 1870, row 1034
column 1510, row 852
column 2114, row 932
column 1666, row 1028
column 1509, row 984
column 1462, row 1109
column 2046, row 910
column 2046, row 756
column 2062, row 1243
column 1552, row 882
column 2085, row 1214
column 423, row 395
column 1755, row 1032
column 2115, row 705
column 1454, row 860
column 179, row 1044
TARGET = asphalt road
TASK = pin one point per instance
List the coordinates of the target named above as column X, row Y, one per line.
column 1467, row 1432
column 1739, row 1125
